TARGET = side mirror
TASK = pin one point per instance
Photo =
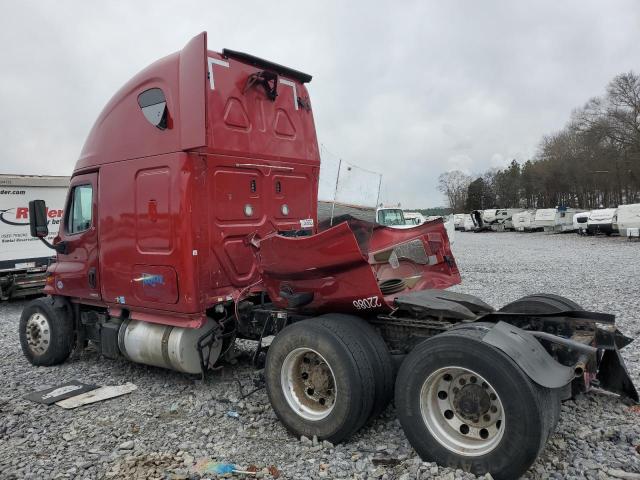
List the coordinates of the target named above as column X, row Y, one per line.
column 38, row 219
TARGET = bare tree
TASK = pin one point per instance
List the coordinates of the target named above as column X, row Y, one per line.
column 593, row 161
column 454, row 186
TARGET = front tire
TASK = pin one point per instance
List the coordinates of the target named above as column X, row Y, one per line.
column 465, row 404
column 46, row 332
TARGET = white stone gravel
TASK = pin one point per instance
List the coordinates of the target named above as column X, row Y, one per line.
column 162, row 429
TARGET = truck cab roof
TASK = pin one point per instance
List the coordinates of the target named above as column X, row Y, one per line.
column 231, row 103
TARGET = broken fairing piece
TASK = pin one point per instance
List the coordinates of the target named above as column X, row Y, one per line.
column 61, row 392
column 102, row 393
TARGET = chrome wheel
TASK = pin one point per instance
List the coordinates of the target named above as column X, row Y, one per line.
column 308, row 384
column 38, row 333
column 462, row 411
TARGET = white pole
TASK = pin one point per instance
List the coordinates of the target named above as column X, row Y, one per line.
column 335, row 192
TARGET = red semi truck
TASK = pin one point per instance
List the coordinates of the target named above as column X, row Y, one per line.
column 191, row 221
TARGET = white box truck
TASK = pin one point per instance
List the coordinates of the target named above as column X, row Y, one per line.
column 24, row 259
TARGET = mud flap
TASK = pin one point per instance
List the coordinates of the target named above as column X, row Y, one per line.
column 529, row 355
column 613, row 375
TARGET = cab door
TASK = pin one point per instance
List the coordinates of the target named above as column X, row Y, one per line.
column 76, row 270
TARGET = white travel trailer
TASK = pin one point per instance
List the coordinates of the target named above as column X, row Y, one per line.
column 524, row 221
column 459, row 220
column 504, row 219
column 489, row 216
column 580, row 222
column 496, row 220
column 601, row 221
column 468, row 224
column 555, row 219
column 628, row 216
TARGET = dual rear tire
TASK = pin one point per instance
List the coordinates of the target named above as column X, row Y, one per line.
column 462, row 403
column 328, row 376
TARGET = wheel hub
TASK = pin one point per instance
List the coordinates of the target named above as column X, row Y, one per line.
column 319, row 378
column 471, row 402
column 38, row 333
column 308, row 384
column 462, row 411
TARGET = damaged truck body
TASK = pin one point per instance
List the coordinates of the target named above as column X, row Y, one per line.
column 191, row 222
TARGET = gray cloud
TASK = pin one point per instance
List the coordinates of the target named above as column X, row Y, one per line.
column 409, row 89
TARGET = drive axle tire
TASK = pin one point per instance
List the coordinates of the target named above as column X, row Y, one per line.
column 465, row 404
column 319, row 379
column 46, row 332
column 541, row 303
column 546, row 303
column 379, row 358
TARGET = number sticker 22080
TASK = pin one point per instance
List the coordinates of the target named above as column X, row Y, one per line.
column 366, row 303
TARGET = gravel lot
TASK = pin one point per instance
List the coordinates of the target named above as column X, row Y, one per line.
column 173, row 421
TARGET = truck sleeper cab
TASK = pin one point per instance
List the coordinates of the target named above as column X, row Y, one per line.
column 191, row 220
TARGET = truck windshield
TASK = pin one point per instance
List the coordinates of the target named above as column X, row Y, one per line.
column 391, row 216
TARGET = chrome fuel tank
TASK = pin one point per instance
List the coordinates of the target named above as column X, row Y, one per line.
column 166, row 346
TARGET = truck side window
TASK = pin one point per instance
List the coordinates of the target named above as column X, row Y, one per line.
column 81, row 209
column 154, row 107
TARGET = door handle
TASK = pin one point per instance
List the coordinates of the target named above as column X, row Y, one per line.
column 91, row 275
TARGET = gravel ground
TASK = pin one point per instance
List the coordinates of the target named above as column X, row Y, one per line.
column 174, row 423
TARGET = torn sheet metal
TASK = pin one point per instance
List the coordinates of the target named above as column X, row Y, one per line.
column 614, row 376
column 97, row 395
column 340, row 269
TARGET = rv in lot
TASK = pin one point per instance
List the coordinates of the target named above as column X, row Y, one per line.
column 24, row 259
column 468, row 224
column 601, row 221
column 524, row 221
column 482, row 219
column 458, row 220
column 555, row 219
column 628, row 216
column 489, row 216
column 504, row 219
column 580, row 222
column 497, row 220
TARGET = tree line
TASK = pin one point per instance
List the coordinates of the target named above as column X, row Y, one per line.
column 593, row 162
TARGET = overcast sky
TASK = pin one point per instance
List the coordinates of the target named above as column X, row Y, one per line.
column 409, row 89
